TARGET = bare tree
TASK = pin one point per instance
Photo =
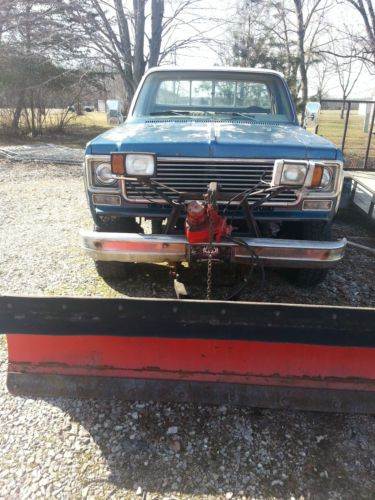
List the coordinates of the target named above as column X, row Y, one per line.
column 365, row 42
column 130, row 39
column 310, row 26
column 323, row 73
column 35, row 44
column 347, row 71
column 295, row 30
column 252, row 43
column 285, row 34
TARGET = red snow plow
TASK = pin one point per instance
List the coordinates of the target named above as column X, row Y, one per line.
column 256, row 354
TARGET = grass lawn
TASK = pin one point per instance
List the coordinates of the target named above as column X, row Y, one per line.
column 77, row 133
column 331, row 126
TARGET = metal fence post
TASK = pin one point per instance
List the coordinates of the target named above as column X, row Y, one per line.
column 369, row 137
column 370, row 123
column 346, row 125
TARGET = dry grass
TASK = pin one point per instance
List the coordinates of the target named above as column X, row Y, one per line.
column 331, row 126
column 77, row 132
column 93, row 119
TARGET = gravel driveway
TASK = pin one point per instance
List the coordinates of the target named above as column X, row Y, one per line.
column 93, row 449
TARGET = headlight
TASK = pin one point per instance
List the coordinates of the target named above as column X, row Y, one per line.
column 293, row 174
column 322, row 177
column 310, row 174
column 326, row 177
column 139, row 165
column 104, row 175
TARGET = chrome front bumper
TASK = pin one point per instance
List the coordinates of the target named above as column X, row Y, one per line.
column 129, row 247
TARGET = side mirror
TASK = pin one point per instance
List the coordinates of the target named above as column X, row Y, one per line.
column 312, row 112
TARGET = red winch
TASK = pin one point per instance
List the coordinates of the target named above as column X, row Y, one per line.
column 197, row 223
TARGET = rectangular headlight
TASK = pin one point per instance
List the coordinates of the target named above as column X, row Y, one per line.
column 293, row 174
column 140, row 165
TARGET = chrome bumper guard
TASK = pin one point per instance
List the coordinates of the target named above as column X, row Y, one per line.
column 129, row 247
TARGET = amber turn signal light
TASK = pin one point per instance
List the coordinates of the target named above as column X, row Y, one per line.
column 118, row 164
column 317, row 176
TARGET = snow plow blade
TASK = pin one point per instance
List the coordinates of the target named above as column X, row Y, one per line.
column 255, row 354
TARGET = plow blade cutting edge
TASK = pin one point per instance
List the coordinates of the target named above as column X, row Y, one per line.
column 256, row 354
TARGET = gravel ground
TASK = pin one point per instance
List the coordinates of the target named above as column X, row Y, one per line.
column 94, row 449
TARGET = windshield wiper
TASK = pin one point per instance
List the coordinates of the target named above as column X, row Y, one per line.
column 170, row 112
column 248, row 116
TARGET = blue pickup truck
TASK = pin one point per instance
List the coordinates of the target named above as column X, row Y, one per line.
column 212, row 165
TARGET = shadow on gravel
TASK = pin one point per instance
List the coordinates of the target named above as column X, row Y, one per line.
column 354, row 222
column 158, row 281
column 143, row 280
column 208, row 450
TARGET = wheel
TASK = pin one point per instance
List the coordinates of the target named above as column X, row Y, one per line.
column 310, row 230
column 112, row 269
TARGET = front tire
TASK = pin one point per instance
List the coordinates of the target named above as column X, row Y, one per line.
column 313, row 231
column 111, row 269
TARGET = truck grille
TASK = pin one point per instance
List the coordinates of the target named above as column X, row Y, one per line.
column 193, row 176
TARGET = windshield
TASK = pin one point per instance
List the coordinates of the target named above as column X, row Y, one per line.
column 254, row 96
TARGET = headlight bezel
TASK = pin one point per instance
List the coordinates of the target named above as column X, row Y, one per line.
column 279, row 170
column 331, row 167
column 100, row 181
column 90, row 164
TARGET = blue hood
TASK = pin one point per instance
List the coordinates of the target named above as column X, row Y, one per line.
column 210, row 138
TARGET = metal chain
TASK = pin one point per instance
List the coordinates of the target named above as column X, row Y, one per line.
column 209, row 261
column 209, row 276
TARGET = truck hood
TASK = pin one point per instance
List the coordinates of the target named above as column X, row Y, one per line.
column 214, row 138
